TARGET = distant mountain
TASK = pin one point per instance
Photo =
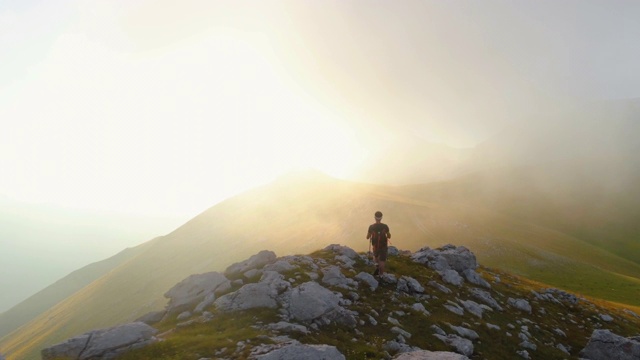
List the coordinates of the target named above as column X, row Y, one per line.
column 55, row 241
column 302, row 213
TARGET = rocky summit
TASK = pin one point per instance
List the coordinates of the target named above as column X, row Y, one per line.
column 431, row 304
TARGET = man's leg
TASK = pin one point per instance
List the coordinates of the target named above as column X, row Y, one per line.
column 381, row 267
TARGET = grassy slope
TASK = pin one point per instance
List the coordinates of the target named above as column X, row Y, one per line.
column 301, row 215
column 219, row 337
column 60, row 290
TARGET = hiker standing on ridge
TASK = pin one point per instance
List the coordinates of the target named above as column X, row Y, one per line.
column 379, row 234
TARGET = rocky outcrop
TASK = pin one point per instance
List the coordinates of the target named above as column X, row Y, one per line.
column 103, row 344
column 189, row 292
column 256, row 261
column 605, row 345
column 453, row 263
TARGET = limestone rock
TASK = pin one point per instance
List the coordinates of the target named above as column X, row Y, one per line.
column 284, row 326
column 461, row 345
column 520, row 304
column 256, row 295
column 189, row 292
column 448, row 257
column 103, row 344
column 451, row 277
column 605, row 345
column 151, row 318
column 486, row 298
column 473, row 307
column 439, row 286
column 368, row 279
column 409, row 285
column 279, row 266
column 342, row 250
column 464, row 332
column 310, row 301
column 473, row 277
column 302, row 351
column 333, row 276
column 256, row 261
column 430, row 355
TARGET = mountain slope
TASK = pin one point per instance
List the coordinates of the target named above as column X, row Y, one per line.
column 299, row 214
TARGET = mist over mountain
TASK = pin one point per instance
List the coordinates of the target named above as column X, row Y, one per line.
column 54, row 241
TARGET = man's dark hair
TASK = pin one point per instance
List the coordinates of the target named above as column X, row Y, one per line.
column 378, row 214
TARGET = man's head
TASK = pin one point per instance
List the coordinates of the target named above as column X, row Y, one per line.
column 378, row 215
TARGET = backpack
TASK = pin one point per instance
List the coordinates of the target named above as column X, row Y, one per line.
column 379, row 237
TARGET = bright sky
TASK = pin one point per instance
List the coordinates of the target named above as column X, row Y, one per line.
column 166, row 107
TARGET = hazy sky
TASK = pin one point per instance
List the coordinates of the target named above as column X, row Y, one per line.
column 167, row 107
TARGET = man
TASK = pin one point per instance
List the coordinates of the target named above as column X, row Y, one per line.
column 379, row 234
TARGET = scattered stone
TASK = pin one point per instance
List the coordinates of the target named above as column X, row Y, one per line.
column 346, row 261
column 286, row 327
column 473, row 277
column 493, row 327
column 606, row 317
column 523, row 354
column 250, row 296
column 103, row 344
column 368, row 279
column 420, row 308
column 461, row 345
column 389, row 278
column 520, row 304
column 393, row 251
column 454, row 308
column 529, row 345
column 430, row 355
column 409, row 285
column 559, row 332
column 464, row 332
column 439, row 286
column 472, row 307
column 563, row 348
column 301, row 351
column 437, row 330
column 486, row 298
column 399, row 331
column 605, row 345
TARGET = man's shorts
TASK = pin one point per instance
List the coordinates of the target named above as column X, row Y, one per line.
column 380, row 252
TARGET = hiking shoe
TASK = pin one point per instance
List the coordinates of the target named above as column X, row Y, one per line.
column 375, row 273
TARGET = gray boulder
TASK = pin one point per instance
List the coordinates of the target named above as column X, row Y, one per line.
column 367, row 279
column 473, row 307
column 279, row 266
column 430, row 355
column 409, row 285
column 286, row 327
column 333, row 276
column 258, row 295
column 256, row 261
column 460, row 345
column 448, row 257
column 104, row 344
column 302, row 351
column 151, row 318
column 520, row 304
column 605, row 345
column 393, row 251
column 310, row 301
column 189, row 292
column 473, row 277
column 486, row 298
column 451, row 277
column 464, row 332
column 439, row 286
column 342, row 250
